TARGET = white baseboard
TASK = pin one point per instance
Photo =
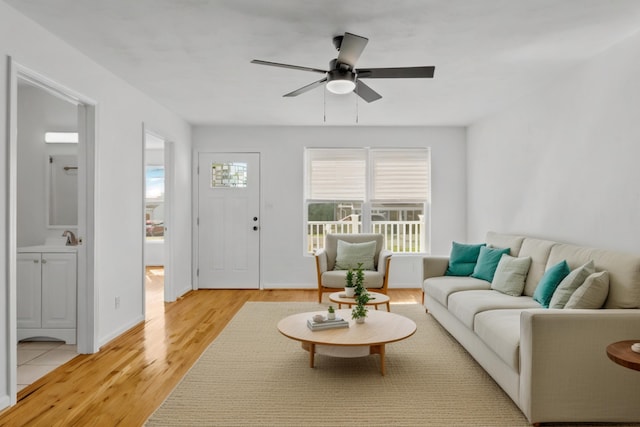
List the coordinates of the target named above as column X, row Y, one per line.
column 5, row 401
column 115, row 334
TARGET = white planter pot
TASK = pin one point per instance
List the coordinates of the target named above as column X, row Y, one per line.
column 350, row 292
column 331, row 316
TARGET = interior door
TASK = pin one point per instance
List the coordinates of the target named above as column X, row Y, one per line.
column 228, row 221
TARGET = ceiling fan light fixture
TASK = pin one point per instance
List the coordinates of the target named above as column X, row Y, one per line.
column 341, row 82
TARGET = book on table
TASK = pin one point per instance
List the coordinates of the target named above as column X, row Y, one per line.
column 338, row 322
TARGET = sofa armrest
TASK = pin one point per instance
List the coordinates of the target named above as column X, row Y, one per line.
column 564, row 368
column 433, row 266
column 321, row 260
column 382, row 261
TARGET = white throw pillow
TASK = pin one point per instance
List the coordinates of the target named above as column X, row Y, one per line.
column 511, row 274
column 569, row 284
column 349, row 255
column 593, row 292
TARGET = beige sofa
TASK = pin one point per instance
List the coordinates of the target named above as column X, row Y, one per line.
column 551, row 362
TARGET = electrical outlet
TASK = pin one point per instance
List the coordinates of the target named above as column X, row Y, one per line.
column 117, row 303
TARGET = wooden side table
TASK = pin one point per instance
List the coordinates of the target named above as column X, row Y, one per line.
column 621, row 353
column 376, row 300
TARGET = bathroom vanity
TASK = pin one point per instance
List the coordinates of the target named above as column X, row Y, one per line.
column 46, row 294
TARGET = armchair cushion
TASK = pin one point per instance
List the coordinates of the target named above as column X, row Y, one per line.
column 349, row 255
column 337, row 279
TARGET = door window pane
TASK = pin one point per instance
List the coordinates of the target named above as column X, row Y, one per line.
column 229, row 175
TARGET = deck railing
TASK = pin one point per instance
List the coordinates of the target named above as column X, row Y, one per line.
column 401, row 236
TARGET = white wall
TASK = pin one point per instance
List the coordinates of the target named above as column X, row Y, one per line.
column 564, row 164
column 39, row 112
column 281, row 149
column 121, row 110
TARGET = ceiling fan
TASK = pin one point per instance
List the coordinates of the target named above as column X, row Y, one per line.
column 342, row 76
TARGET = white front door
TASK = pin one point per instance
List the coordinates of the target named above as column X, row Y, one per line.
column 228, row 221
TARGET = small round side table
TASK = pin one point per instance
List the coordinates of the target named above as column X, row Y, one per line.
column 376, row 299
column 621, row 353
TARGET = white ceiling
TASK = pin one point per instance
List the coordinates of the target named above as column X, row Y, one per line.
column 193, row 55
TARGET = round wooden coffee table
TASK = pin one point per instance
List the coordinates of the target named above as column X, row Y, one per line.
column 380, row 328
column 621, row 353
column 376, row 299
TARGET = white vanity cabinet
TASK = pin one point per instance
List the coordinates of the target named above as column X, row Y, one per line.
column 46, row 293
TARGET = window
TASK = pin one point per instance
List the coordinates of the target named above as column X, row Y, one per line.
column 154, row 202
column 368, row 191
column 229, row 175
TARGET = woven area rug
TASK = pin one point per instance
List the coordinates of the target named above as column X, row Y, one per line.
column 253, row 375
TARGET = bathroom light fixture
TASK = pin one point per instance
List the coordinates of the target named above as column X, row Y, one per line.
column 341, row 81
column 61, row 137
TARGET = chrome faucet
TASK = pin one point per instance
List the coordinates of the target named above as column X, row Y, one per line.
column 71, row 238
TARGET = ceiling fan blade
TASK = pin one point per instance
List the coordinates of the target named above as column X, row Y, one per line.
column 294, row 67
column 396, row 73
column 306, row 88
column 351, row 49
column 366, row 93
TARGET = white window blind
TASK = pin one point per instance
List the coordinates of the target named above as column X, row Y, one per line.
column 400, row 175
column 336, row 174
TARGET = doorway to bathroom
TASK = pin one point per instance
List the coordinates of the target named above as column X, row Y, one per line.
column 50, row 216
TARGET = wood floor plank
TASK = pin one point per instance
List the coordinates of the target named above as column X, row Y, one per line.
column 132, row 375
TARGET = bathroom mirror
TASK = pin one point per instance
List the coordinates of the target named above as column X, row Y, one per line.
column 62, row 191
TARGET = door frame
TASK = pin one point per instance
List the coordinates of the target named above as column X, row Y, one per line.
column 195, row 197
column 87, row 303
column 168, row 161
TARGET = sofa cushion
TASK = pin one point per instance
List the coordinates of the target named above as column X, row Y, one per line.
column 592, row 293
column 439, row 288
column 488, row 262
column 463, row 259
column 569, row 285
column 539, row 251
column 623, row 268
column 338, row 278
column 350, row 255
column 500, row 240
column 549, row 282
column 465, row 305
column 510, row 275
column 500, row 331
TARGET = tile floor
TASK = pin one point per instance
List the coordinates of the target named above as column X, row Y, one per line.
column 37, row 358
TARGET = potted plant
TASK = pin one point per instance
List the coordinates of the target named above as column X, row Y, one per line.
column 349, row 287
column 359, row 312
column 331, row 313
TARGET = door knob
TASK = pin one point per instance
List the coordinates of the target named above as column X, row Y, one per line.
column 255, row 228
column 255, row 218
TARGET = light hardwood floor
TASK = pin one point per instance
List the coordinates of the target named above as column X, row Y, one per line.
column 132, row 375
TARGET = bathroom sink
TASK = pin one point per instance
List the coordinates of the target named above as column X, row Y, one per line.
column 47, row 248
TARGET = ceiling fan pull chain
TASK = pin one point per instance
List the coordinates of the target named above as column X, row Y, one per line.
column 324, row 104
column 357, row 110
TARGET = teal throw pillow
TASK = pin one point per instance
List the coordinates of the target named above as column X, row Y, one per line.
column 569, row 284
column 488, row 262
column 511, row 274
column 463, row 259
column 549, row 282
column 349, row 255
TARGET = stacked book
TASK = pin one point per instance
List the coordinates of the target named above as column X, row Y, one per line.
column 338, row 322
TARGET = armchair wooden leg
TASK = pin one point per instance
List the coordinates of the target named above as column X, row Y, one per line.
column 319, row 296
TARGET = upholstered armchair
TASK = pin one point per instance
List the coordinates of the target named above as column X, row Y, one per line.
column 332, row 278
